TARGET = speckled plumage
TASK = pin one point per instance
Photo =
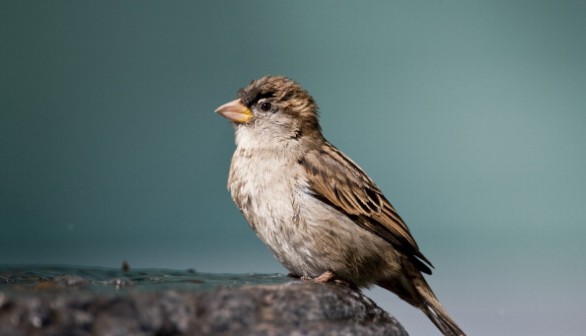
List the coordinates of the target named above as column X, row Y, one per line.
column 316, row 210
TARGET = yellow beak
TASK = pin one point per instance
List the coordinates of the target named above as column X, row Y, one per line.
column 235, row 111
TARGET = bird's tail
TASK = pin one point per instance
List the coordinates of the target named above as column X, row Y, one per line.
column 438, row 315
column 419, row 294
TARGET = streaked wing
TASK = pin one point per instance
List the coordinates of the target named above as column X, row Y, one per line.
column 339, row 182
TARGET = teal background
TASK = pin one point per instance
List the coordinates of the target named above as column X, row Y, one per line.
column 470, row 116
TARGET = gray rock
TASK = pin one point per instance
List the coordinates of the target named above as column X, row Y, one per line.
column 288, row 308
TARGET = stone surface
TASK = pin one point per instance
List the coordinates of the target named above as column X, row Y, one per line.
column 67, row 304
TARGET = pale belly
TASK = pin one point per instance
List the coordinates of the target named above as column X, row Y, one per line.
column 309, row 238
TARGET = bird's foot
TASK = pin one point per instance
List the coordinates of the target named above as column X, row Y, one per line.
column 329, row 276
column 325, row 277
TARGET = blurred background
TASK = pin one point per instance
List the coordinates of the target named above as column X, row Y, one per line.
column 470, row 116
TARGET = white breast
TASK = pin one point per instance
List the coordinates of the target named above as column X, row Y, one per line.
column 267, row 184
column 305, row 235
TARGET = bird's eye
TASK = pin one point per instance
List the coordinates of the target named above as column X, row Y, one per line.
column 265, row 106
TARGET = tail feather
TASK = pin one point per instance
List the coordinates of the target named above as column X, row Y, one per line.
column 442, row 320
column 418, row 293
column 430, row 305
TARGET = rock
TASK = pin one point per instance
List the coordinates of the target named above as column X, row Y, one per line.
column 289, row 308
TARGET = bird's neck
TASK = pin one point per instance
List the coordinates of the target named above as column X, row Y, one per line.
column 254, row 139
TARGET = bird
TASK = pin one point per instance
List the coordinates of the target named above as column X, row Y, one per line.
column 320, row 214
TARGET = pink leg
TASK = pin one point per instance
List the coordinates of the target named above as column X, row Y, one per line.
column 329, row 276
column 325, row 277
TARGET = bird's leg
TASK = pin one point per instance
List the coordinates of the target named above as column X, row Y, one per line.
column 329, row 276
column 325, row 277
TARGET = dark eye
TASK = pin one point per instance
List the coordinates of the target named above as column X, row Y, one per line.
column 265, row 106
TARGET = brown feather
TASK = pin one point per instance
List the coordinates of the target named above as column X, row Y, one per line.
column 339, row 182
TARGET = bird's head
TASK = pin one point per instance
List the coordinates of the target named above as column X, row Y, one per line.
column 273, row 105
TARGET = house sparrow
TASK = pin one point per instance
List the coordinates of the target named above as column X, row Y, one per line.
column 322, row 217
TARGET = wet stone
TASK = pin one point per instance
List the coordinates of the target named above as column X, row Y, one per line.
column 95, row 301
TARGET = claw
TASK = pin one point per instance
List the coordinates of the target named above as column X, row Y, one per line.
column 325, row 277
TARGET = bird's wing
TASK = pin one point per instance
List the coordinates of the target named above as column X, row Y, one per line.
column 339, row 182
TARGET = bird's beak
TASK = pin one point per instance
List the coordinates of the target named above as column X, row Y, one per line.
column 235, row 111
